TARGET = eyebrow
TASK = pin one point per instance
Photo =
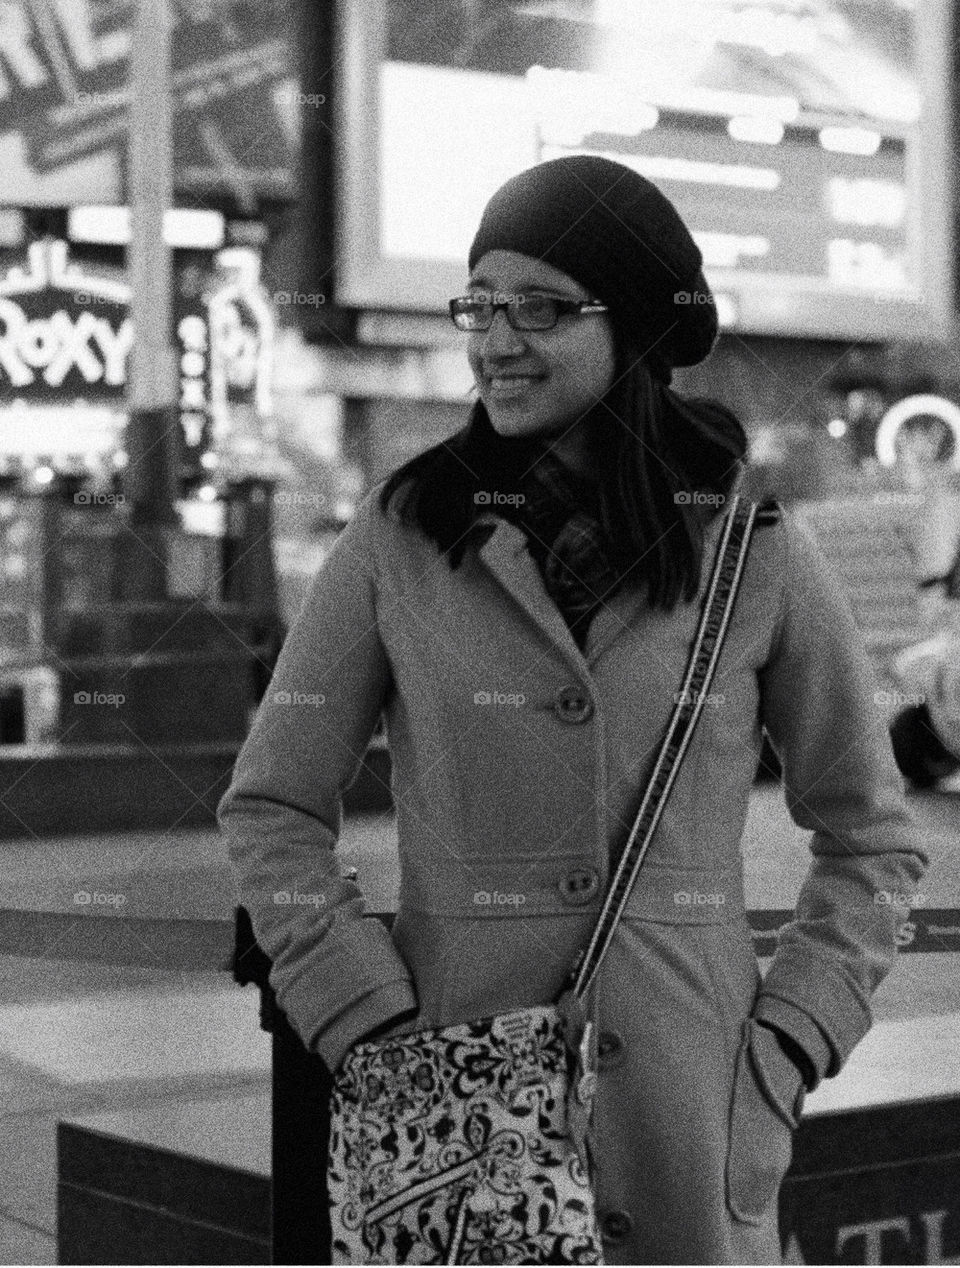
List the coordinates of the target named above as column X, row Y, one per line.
column 523, row 286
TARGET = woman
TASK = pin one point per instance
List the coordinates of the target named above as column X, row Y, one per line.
column 520, row 602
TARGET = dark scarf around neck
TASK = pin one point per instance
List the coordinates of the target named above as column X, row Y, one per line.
column 561, row 517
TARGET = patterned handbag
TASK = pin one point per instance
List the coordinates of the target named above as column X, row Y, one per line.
column 468, row 1144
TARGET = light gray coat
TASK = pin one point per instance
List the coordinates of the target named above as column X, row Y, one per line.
column 508, row 807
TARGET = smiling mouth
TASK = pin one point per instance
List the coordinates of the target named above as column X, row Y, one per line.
column 511, row 384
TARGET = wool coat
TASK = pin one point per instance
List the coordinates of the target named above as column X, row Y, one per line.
column 518, row 764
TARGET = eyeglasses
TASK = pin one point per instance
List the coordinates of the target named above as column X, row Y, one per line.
column 524, row 312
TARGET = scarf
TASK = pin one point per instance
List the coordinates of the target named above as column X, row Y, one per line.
column 561, row 517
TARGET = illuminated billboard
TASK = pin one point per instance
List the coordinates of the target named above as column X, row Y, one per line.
column 64, row 100
column 805, row 142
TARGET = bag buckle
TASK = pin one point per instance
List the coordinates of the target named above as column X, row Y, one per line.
column 587, row 1080
column 581, row 1095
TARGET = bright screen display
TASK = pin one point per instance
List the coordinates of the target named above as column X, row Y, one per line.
column 805, row 143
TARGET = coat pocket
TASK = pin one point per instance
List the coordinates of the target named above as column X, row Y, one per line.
column 764, row 1113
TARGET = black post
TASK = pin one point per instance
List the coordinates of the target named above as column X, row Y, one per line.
column 301, row 1116
column 51, row 603
column 301, row 1129
column 152, row 472
column 150, row 488
column 249, row 572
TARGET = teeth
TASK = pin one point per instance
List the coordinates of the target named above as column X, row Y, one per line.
column 514, row 378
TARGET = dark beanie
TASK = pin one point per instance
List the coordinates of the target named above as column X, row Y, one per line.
column 615, row 233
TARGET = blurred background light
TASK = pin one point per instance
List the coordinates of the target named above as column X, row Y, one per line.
column 12, row 226
column 850, row 140
column 664, row 167
column 757, row 129
column 194, row 227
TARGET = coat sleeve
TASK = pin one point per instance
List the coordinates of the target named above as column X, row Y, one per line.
column 337, row 974
column 819, row 704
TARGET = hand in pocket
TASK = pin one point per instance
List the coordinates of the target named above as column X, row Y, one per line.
column 764, row 1112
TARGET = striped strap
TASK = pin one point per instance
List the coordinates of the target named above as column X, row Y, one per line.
column 714, row 622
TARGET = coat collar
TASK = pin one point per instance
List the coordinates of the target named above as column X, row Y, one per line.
column 506, row 555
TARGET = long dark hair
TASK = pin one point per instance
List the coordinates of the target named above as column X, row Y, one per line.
column 647, row 445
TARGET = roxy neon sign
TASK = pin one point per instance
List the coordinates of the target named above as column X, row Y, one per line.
column 51, row 331
column 67, row 332
column 57, row 344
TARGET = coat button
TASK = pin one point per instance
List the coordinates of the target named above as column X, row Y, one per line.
column 580, row 885
column 609, row 1048
column 615, row 1226
column 572, row 704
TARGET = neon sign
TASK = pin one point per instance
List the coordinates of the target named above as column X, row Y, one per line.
column 66, row 332
column 61, row 328
column 924, row 406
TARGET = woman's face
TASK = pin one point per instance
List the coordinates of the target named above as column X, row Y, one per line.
column 537, row 381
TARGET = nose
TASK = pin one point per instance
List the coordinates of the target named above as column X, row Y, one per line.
column 501, row 340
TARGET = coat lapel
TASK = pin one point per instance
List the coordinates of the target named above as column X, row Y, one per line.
column 506, row 555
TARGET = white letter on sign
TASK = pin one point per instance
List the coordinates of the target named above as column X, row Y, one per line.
column 933, row 1229
column 115, row 348
column 14, row 323
column 872, row 1233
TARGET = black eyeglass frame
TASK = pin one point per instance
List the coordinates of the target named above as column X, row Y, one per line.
column 513, row 306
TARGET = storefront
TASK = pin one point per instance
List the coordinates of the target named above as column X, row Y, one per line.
column 65, row 340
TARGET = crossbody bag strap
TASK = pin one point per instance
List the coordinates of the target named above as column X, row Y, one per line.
column 714, row 622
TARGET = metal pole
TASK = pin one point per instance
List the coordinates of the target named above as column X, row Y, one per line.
column 153, row 430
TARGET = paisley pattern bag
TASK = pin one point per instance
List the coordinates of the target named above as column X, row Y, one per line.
column 448, row 1142
column 468, row 1144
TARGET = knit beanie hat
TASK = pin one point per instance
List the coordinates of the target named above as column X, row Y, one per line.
column 611, row 230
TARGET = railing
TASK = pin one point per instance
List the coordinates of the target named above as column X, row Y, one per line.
column 888, row 1170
